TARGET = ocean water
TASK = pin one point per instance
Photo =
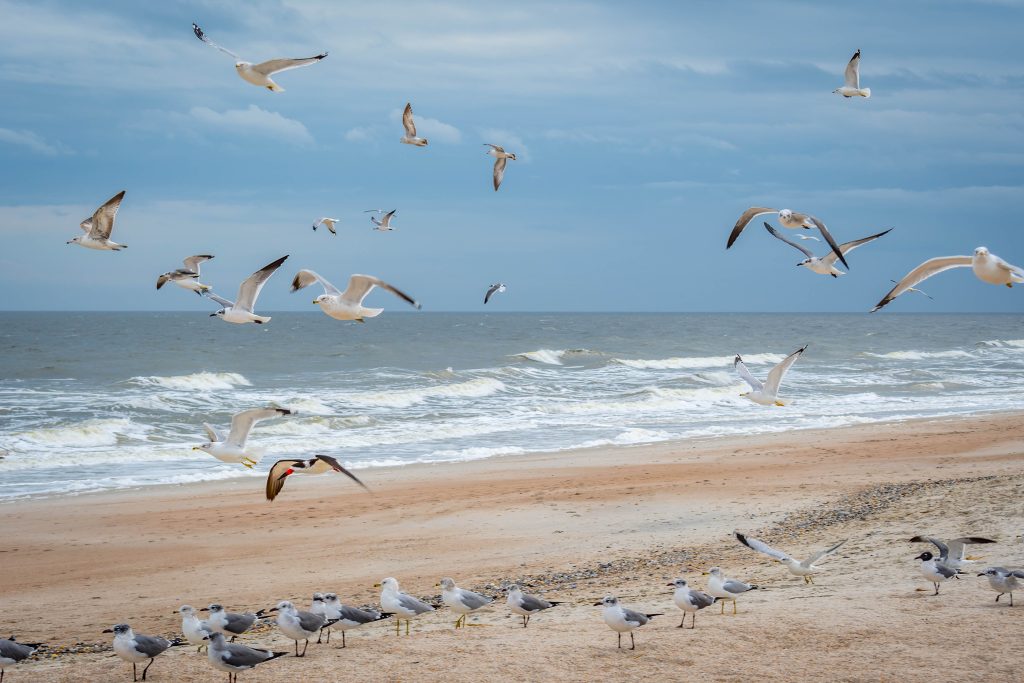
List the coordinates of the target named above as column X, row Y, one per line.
column 93, row 401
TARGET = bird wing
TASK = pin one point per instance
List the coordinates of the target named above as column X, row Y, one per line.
column 701, row 599
column 305, row 278
column 499, row 171
column 734, row 586
column 329, row 222
column 490, row 291
column 221, row 300
column 192, row 262
column 745, row 375
column 957, row 546
column 413, row 604
column 360, row 285
column 102, row 222
column 760, row 546
column 830, row 239
column 242, row 423
column 212, row 432
column 495, row 148
column 847, row 247
column 852, row 75
column 202, row 36
column 943, row 548
column 274, row 66
column 531, row 603
column 922, row 273
column 407, row 122
column 275, row 480
column 309, row 621
column 633, row 617
column 251, row 286
column 822, row 553
column 151, row 646
column 473, row 600
column 775, row 233
column 337, row 467
column 244, row 656
column 162, row 280
column 779, row 371
column 747, row 216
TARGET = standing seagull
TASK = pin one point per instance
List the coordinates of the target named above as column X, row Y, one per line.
column 953, row 553
column 498, row 287
column 230, row 623
column 851, row 85
column 297, row 624
column 1000, row 580
column 232, row 448
column 259, row 74
column 621, row 619
column 805, row 568
column 402, row 605
column 344, row 617
column 787, row 219
column 827, row 265
column 187, row 277
column 526, row 605
column 328, row 223
column 934, row 570
column 241, row 312
column 767, row 394
column 12, row 652
column 98, row 228
column 690, row 600
column 137, row 649
column 384, row 224
column 461, row 601
column 319, row 464
column 410, row 128
column 725, row 588
column 348, row 305
column 501, row 157
column 233, row 657
column 987, row 267
column 196, row 632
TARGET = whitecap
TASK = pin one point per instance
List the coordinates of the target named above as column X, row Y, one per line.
column 403, row 398
column 200, row 380
column 921, row 355
column 696, row 362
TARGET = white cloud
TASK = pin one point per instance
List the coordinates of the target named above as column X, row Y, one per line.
column 254, row 120
column 27, row 138
column 360, row 134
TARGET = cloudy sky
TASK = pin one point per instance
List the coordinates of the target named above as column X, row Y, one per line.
column 643, row 130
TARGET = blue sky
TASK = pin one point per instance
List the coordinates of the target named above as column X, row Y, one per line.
column 643, row 131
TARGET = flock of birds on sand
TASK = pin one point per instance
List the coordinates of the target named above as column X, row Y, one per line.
column 219, row 630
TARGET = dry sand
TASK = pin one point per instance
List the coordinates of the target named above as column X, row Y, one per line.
column 576, row 526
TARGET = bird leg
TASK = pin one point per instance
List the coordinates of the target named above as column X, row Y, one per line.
column 620, row 639
column 734, row 607
column 683, row 622
column 398, row 626
column 407, row 626
column 303, row 647
column 296, row 648
column 328, row 635
column 342, row 638
column 1011, row 598
column 147, row 668
column 632, row 643
column 722, row 611
column 999, row 596
column 810, row 577
column 936, row 588
column 134, row 673
column 319, row 638
column 693, row 621
column 524, row 624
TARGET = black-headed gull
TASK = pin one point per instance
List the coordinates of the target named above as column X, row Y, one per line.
column 622, row 619
column 231, row 448
column 724, row 588
column 187, row 277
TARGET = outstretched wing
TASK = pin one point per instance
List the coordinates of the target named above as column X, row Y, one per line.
column 830, row 239
column 775, row 233
column 192, row 262
column 499, row 171
column 779, row 371
column 275, row 478
column 360, row 285
column 202, row 36
column 760, row 546
column 337, row 467
column 922, row 273
column 847, row 247
column 745, row 375
column 274, row 66
column 818, row 555
column 958, row 546
column 221, row 300
column 251, row 286
column 852, row 75
column 305, row 278
column 242, row 423
column 495, row 148
column 490, row 291
column 102, row 222
column 212, row 432
column 747, row 216
column 407, row 122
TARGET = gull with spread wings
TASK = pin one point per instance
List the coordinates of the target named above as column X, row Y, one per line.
column 767, row 394
column 259, row 74
column 501, row 157
column 826, row 265
column 231, row 448
column 851, row 80
column 348, row 305
column 98, row 227
column 240, row 311
column 987, row 267
column 187, row 277
column 410, row 137
column 805, row 568
column 787, row 219
column 320, row 464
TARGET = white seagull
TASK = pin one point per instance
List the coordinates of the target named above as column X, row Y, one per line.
column 1004, row 581
column 234, row 657
column 621, row 619
column 230, row 623
column 348, row 305
column 787, row 219
column 690, row 601
column 851, row 85
column 402, row 605
column 987, row 267
column 501, row 157
column 767, row 394
column 138, row 648
column 953, row 553
column 526, row 605
column 344, row 617
column 724, row 588
column 328, row 223
column 410, row 128
column 232, row 448
column 826, row 265
column 259, row 74
column 195, row 630
column 384, row 224
column 297, row 624
column 461, row 601
column 805, row 568
column 320, row 464
column 187, row 277
column 97, row 229
column 241, row 311
column 497, row 287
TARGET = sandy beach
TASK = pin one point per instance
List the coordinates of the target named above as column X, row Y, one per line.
column 573, row 527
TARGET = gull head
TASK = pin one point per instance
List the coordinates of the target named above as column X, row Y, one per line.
column 786, row 214
column 330, row 597
column 513, row 588
column 74, row 240
column 511, row 156
column 924, row 557
column 214, row 608
column 318, row 597
column 980, row 252
column 447, row 584
column 322, row 299
column 679, row 583
column 218, row 314
column 119, row 630
column 991, row 571
column 714, row 571
column 805, row 262
column 283, row 606
column 205, row 447
column 242, row 66
column 389, row 584
column 187, row 610
column 607, row 601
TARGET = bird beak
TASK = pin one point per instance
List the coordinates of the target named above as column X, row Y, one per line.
column 204, row 609
column 213, row 315
column 314, row 300
column 598, row 604
column 68, row 242
column 981, row 574
column 272, row 609
column 670, row 584
column 705, row 573
column 376, row 585
column 206, row 637
column 197, row 448
column 108, row 630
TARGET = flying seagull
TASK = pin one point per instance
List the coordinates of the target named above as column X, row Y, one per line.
column 827, row 265
column 348, row 305
column 410, row 128
column 232, row 448
column 805, row 568
column 690, row 601
column 12, row 652
column 953, row 553
column 987, row 267
column 787, row 219
column 138, row 648
column 501, row 157
column 328, row 222
column 319, row 464
column 402, row 605
column 384, row 224
column 767, row 394
column 241, row 312
column 234, row 657
column 187, row 277
column 345, row 617
column 259, row 74
column 526, row 605
column 851, row 85
column 498, row 287
column 621, row 619
column 1000, row 580
column 461, row 601
column 97, row 229
column 725, row 588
